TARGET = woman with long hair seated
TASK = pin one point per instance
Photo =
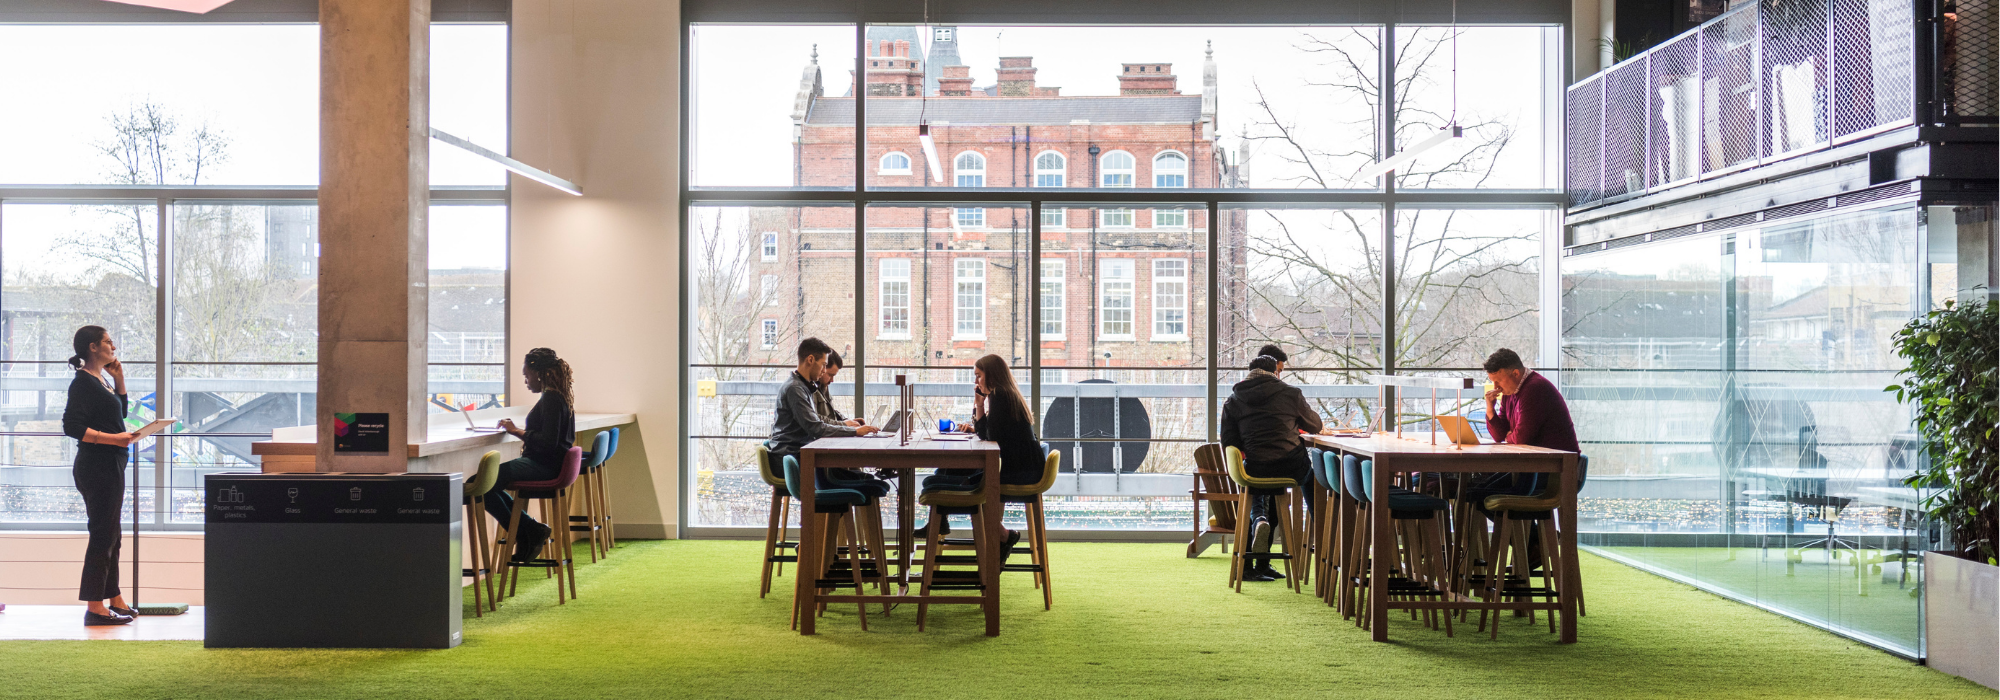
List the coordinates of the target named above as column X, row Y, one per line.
column 545, row 441
column 999, row 414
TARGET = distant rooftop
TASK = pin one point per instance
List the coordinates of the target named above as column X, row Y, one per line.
column 1032, row 111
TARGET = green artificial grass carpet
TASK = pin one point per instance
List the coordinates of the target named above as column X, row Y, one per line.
column 682, row 619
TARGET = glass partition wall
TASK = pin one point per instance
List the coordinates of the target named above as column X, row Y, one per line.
column 162, row 197
column 1124, row 214
column 1728, row 389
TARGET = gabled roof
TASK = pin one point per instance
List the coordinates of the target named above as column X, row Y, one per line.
column 1033, row 111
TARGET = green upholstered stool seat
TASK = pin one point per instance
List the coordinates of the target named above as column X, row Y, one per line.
column 1243, row 478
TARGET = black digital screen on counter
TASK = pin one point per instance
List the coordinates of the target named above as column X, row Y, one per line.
column 331, row 498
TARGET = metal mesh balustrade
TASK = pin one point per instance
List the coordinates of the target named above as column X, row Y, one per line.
column 1585, row 176
column 1729, row 133
column 1674, row 110
column 1793, row 38
column 1967, row 62
column 1874, row 64
column 1625, row 128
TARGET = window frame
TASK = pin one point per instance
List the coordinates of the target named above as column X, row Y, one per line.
column 768, row 247
column 767, row 334
column 1090, row 196
column 1060, row 172
column 959, row 172
column 1104, row 296
column 1185, row 280
column 882, row 296
column 882, row 164
column 1183, row 171
column 959, row 309
column 1061, row 309
column 1105, row 172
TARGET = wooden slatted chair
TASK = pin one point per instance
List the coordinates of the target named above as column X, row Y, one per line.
column 1213, row 486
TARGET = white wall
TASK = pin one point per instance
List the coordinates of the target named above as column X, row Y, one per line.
column 595, row 99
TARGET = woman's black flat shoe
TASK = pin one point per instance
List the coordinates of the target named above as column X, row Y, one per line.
column 128, row 612
column 91, row 619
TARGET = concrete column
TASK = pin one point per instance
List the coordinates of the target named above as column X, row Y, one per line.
column 595, row 97
column 374, row 200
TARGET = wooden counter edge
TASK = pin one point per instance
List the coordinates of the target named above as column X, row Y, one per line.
column 584, row 422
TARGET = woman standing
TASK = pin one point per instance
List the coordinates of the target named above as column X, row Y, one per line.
column 95, row 416
column 550, row 432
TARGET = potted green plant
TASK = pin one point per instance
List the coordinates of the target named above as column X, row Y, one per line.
column 1951, row 379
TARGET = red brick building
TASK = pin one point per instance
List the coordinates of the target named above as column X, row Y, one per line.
column 1120, row 287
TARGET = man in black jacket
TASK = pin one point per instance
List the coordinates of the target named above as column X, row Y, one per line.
column 1263, row 417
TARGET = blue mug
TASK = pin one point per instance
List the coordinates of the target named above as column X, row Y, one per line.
column 945, row 425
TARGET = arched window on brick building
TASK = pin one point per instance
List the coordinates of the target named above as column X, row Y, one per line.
column 970, row 169
column 1118, row 167
column 895, row 163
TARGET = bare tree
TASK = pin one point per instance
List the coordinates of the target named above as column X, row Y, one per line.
column 1313, row 280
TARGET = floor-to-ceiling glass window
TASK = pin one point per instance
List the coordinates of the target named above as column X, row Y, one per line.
column 172, row 167
column 1202, row 192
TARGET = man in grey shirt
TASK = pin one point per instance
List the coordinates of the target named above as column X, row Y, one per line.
column 798, row 420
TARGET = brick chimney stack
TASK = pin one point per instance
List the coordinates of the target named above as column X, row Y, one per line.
column 891, row 71
column 1017, row 76
column 956, row 82
column 1148, row 79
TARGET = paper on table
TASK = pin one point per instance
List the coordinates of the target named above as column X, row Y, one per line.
column 153, row 427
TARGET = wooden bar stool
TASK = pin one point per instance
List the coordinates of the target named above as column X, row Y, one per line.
column 836, row 505
column 1510, row 568
column 559, row 556
column 481, row 571
column 943, row 504
column 1332, row 537
column 1213, row 486
column 1030, row 498
column 604, row 492
column 1287, row 515
column 1417, row 567
column 777, row 527
column 589, row 482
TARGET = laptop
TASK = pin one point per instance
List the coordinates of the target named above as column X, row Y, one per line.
column 474, row 427
column 1458, row 429
column 889, row 428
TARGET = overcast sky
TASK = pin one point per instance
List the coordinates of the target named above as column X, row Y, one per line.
column 259, row 84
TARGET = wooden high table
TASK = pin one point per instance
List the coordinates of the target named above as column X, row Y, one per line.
column 1393, row 455
column 887, row 453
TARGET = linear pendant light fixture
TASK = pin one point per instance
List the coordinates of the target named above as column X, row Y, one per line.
column 198, row 7
column 523, row 169
column 1399, row 160
column 930, row 151
column 1451, row 128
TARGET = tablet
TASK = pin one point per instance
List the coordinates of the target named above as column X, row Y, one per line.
column 153, row 427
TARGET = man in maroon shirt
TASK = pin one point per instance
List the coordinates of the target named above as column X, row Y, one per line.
column 1531, row 411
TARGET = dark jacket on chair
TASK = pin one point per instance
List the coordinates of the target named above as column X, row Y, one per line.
column 1263, row 417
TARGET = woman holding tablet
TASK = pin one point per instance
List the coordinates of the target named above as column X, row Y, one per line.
column 95, row 416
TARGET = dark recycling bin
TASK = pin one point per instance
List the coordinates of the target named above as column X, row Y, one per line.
column 334, row 560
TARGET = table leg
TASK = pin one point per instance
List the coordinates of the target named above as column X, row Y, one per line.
column 906, row 513
column 807, row 572
column 1383, row 555
column 989, row 551
column 1570, row 572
